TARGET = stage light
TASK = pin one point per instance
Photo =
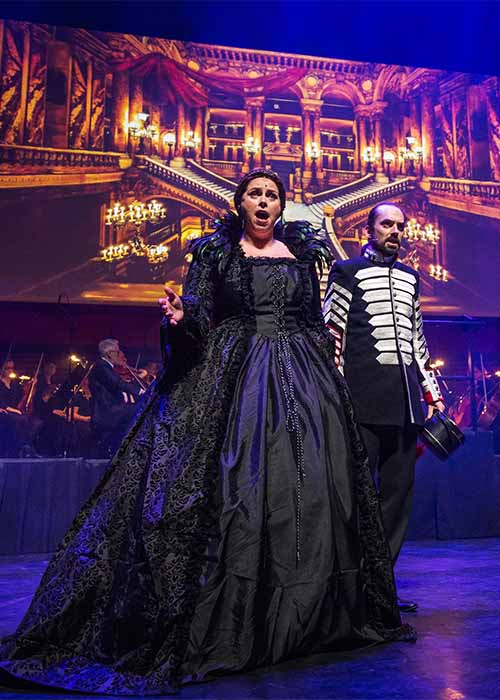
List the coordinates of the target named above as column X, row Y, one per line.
column 497, row 373
column 74, row 358
column 12, row 375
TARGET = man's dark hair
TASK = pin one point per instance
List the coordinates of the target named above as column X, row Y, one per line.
column 373, row 213
column 252, row 175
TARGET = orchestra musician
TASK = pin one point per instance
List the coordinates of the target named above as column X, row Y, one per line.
column 15, row 427
column 44, row 390
column 115, row 390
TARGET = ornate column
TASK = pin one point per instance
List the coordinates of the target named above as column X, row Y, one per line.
column 311, row 110
column 316, row 137
column 179, row 129
column 98, row 93
column 361, row 136
column 204, row 135
column 428, row 129
column 80, row 86
column 378, row 140
column 415, row 119
column 88, row 103
column 155, row 120
column 446, row 116
column 120, row 115
column 249, row 120
column 14, row 81
column 492, row 86
column 306, row 139
column 462, row 135
column 136, row 97
column 34, row 124
column 198, row 127
column 254, row 107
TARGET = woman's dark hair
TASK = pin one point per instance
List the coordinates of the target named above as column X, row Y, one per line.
column 373, row 213
column 252, row 175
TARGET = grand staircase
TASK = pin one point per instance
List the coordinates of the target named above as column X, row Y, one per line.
column 185, row 178
column 338, row 201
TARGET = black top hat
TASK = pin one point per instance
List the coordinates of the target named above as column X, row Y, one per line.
column 441, row 435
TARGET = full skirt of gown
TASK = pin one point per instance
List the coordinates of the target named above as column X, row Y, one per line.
column 237, row 526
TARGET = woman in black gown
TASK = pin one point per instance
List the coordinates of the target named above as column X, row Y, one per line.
column 237, row 524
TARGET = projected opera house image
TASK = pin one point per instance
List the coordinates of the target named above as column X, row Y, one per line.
column 117, row 150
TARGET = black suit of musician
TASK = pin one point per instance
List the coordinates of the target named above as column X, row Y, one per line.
column 372, row 309
column 113, row 402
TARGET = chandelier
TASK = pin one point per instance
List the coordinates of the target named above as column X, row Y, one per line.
column 137, row 213
column 427, row 233
column 439, row 273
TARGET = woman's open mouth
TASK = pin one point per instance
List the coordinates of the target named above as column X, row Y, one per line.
column 262, row 215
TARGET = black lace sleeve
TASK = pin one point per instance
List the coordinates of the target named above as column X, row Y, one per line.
column 182, row 345
column 315, row 315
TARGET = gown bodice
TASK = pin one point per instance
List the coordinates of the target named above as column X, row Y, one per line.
column 277, row 290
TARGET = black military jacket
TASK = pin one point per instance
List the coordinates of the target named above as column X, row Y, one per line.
column 372, row 309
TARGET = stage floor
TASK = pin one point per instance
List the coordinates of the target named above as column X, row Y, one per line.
column 457, row 656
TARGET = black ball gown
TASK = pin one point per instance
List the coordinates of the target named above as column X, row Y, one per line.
column 237, row 525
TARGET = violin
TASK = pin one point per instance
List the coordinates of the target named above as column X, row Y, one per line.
column 25, row 405
column 130, row 375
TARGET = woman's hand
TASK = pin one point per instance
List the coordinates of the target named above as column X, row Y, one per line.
column 171, row 305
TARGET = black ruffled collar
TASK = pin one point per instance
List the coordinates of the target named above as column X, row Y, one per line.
column 371, row 253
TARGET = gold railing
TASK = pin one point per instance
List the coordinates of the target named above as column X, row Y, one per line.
column 170, row 175
column 488, row 190
column 45, row 159
column 385, row 191
column 219, row 180
column 339, row 190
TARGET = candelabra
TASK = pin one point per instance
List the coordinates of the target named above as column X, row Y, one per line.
column 252, row 147
column 410, row 154
column 389, row 159
column 169, row 140
column 190, row 141
column 313, row 152
column 371, row 157
column 140, row 129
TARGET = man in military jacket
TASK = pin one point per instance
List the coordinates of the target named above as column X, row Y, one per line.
column 372, row 309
